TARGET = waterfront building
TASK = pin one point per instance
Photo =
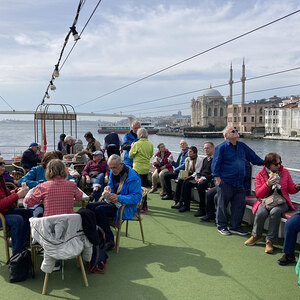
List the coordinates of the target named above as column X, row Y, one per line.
column 209, row 110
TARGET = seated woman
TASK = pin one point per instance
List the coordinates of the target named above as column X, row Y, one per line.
column 37, row 174
column 96, row 172
column 162, row 165
column 291, row 230
column 272, row 179
column 57, row 194
column 193, row 165
column 17, row 219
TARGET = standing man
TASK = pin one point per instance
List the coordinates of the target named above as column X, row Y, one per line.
column 112, row 143
column 130, row 138
column 30, row 157
column 228, row 168
column 179, row 165
column 205, row 179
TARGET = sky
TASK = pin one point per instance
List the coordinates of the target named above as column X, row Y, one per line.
column 127, row 40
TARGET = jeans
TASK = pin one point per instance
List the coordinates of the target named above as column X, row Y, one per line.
column 17, row 219
column 103, row 212
column 167, row 177
column 291, row 230
column 99, row 179
column 236, row 196
column 211, row 200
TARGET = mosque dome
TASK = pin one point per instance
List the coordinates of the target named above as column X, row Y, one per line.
column 212, row 93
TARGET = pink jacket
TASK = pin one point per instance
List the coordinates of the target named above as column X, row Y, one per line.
column 166, row 162
column 262, row 190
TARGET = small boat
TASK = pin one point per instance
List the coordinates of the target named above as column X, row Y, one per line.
column 124, row 129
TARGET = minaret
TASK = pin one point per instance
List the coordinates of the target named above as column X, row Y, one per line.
column 243, row 79
column 230, row 82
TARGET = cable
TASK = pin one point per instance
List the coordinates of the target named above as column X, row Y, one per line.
column 191, row 57
column 7, row 103
column 203, row 89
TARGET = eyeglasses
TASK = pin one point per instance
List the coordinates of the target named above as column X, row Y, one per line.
column 277, row 164
column 234, row 131
column 2, row 163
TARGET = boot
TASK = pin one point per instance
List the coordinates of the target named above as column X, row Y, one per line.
column 252, row 240
column 269, row 247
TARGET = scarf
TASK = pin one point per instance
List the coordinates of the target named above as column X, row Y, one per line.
column 193, row 161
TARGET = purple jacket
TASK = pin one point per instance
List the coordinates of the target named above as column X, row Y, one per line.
column 92, row 166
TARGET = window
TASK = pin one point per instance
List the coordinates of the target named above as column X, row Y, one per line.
column 221, row 112
column 270, row 113
column 260, row 119
column 252, row 119
column 249, row 109
column 215, row 112
column 245, row 119
column 245, row 109
column 234, row 110
column 234, row 119
column 274, row 121
column 261, row 110
column 209, row 112
column 274, row 112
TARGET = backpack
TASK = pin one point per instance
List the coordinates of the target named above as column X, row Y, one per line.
column 19, row 266
column 97, row 263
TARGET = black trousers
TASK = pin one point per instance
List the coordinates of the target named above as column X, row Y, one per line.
column 201, row 187
column 184, row 189
column 168, row 176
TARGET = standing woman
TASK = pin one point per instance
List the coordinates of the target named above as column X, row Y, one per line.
column 275, row 181
column 193, row 164
column 62, row 146
column 141, row 153
column 162, row 165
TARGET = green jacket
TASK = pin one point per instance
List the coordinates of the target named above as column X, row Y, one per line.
column 141, row 152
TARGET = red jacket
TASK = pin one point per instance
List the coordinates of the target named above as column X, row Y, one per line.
column 166, row 162
column 262, row 190
column 7, row 201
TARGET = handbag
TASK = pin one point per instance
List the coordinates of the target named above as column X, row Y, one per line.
column 273, row 200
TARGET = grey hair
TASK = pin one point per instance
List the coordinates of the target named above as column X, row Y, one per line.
column 115, row 157
column 142, row 133
column 68, row 138
column 225, row 130
column 135, row 123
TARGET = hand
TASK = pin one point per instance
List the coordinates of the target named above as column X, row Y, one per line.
column 88, row 180
column 22, row 192
column 297, row 186
column 113, row 198
column 107, row 188
column 163, row 167
column 271, row 181
column 106, row 179
column 218, row 181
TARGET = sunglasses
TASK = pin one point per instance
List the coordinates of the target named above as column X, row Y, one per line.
column 234, row 131
column 277, row 164
column 2, row 163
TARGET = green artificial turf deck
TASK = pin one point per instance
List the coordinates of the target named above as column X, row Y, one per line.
column 181, row 259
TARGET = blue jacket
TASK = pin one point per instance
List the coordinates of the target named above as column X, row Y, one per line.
column 129, row 138
column 229, row 162
column 130, row 194
column 35, row 176
column 180, row 162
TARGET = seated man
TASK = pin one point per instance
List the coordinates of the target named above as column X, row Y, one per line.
column 92, row 146
column 75, row 149
column 96, row 172
column 124, row 187
column 211, row 205
column 205, row 178
column 179, row 165
column 30, row 157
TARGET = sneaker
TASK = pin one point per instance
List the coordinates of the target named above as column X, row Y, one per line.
column 167, row 197
column 144, row 210
column 184, row 208
column 224, row 231
column 239, row 231
column 286, row 259
column 176, row 205
column 252, row 240
column 200, row 213
column 56, row 266
column 269, row 247
column 207, row 219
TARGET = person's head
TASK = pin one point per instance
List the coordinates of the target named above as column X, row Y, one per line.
column 97, row 156
column 142, row 133
column 273, row 161
column 62, row 137
column 48, row 156
column 183, row 145
column 88, row 136
column 2, row 165
column 115, row 164
column 231, row 134
column 209, row 148
column 193, row 151
column 56, row 167
column 135, row 126
column 34, row 147
column 69, row 140
column 161, row 147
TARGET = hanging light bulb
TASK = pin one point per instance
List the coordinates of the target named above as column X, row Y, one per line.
column 52, row 86
column 75, row 33
column 47, row 95
column 56, row 72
